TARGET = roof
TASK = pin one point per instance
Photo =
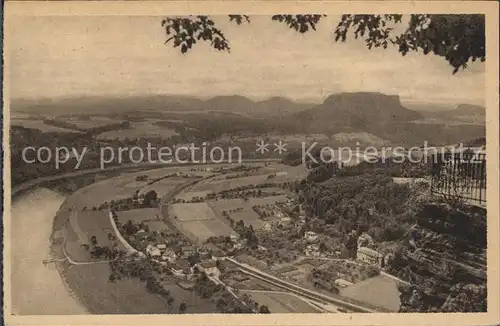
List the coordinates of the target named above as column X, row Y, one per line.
column 182, row 263
column 369, row 252
column 342, row 281
column 187, row 248
column 210, row 246
column 208, row 264
column 218, row 253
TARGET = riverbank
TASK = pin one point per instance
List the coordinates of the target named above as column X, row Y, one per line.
column 37, row 289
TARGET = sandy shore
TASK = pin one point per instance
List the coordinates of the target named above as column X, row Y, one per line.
column 37, row 289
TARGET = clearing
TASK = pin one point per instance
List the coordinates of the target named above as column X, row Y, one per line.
column 200, row 231
column 239, row 209
column 192, row 212
column 380, row 291
column 139, row 215
column 81, row 227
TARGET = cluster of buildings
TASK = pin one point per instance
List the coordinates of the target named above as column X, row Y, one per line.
column 177, row 260
column 369, row 255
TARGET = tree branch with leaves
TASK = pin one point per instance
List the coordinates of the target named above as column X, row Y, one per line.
column 459, row 39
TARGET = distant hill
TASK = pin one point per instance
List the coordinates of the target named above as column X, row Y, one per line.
column 371, row 117
column 356, row 111
column 280, row 106
column 462, row 113
column 424, row 107
column 381, row 115
column 236, row 104
column 470, row 110
column 231, row 103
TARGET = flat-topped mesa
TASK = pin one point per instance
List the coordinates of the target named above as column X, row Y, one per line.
column 358, row 110
column 375, row 97
column 367, row 106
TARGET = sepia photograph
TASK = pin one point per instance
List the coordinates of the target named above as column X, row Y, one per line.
column 180, row 161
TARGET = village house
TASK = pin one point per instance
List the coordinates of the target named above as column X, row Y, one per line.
column 206, row 250
column 237, row 246
column 161, row 246
column 187, row 251
column 182, row 268
column 369, row 256
column 342, row 283
column 312, row 250
column 310, row 236
column 209, row 267
column 218, row 255
column 285, row 221
column 169, row 255
column 365, row 240
column 153, row 251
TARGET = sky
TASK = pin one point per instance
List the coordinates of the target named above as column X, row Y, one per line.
column 61, row 56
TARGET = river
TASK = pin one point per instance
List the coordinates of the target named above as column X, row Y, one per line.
column 37, row 289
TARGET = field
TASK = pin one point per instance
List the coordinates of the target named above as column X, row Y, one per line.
column 281, row 302
column 81, row 227
column 106, row 190
column 90, row 283
column 197, row 221
column 139, row 130
column 195, row 304
column 38, row 124
column 247, row 214
column 380, row 290
column 139, row 215
column 192, row 212
column 292, row 172
column 158, row 226
column 200, row 231
column 128, row 296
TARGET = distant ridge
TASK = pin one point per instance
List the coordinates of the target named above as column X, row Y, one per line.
column 358, row 111
column 377, row 114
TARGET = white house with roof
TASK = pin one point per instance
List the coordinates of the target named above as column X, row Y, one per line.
column 312, row 250
column 311, row 236
column 209, row 267
column 169, row 255
column 342, row 283
column 153, row 251
column 369, row 256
